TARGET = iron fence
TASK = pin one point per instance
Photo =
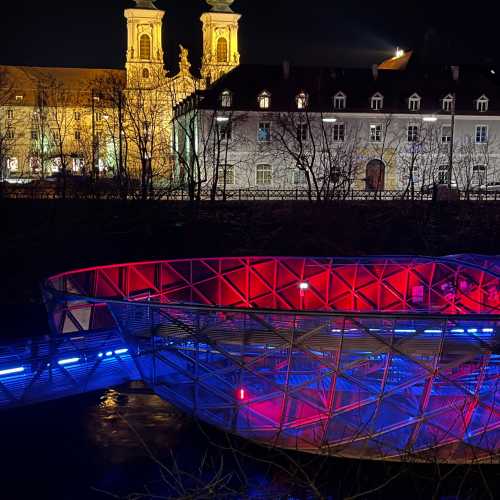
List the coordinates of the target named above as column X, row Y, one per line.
column 243, row 194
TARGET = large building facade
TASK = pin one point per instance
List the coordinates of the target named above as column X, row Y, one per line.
column 398, row 126
column 96, row 121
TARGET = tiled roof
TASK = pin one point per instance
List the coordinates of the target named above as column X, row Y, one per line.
column 25, row 80
column 431, row 83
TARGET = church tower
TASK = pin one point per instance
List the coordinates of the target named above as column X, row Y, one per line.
column 220, row 40
column 144, row 47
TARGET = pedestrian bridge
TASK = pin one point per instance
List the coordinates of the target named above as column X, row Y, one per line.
column 393, row 358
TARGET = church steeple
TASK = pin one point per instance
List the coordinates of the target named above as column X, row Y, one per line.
column 144, row 47
column 220, row 40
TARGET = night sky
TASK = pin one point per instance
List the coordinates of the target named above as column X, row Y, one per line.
column 91, row 33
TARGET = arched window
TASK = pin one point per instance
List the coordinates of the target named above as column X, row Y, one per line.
column 226, row 99
column 339, row 101
column 302, row 100
column 145, row 47
column 264, row 100
column 222, row 50
column 482, row 104
column 414, row 102
column 145, row 73
column 377, row 101
column 447, row 103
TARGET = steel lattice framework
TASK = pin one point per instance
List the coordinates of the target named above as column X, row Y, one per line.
column 384, row 358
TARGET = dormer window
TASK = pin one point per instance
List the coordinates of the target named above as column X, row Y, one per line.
column 447, row 103
column 414, row 102
column 377, row 101
column 482, row 104
column 264, row 100
column 226, row 99
column 302, row 100
column 339, row 101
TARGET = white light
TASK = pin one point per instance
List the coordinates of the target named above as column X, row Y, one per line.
column 304, row 285
column 409, row 330
column 471, row 330
column 109, row 353
column 488, row 330
column 329, row 120
column 121, row 351
column 100, row 355
column 12, row 371
column 222, row 119
column 431, row 119
column 433, row 331
column 68, row 361
column 493, row 72
column 400, row 52
column 457, row 330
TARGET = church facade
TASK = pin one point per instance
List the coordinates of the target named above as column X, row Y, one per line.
column 109, row 122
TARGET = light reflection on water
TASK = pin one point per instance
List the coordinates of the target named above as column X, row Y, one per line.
column 126, row 415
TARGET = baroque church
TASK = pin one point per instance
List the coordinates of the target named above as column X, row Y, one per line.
column 98, row 121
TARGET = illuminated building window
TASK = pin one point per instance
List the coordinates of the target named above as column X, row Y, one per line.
column 264, row 175
column 264, row 132
column 376, row 133
column 302, row 100
column 302, row 132
column 226, row 99
column 482, row 104
column 19, row 98
column 222, row 50
column 12, row 164
column 225, row 130
column 481, row 134
column 299, row 177
column 377, row 101
column 145, row 47
column 339, row 101
column 447, row 103
column 412, row 133
column 34, row 163
column 264, row 100
column 443, row 171
column 414, row 102
column 479, row 175
column 228, row 171
column 145, row 73
column 339, row 132
column 446, row 134
column 77, row 164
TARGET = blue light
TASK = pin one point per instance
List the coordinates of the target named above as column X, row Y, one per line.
column 433, row 331
column 68, row 361
column 121, row 351
column 457, row 330
column 471, row 330
column 409, row 330
column 109, row 353
column 12, row 371
column 100, row 355
column 488, row 330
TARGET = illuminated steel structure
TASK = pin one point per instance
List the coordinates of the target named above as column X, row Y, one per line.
column 382, row 358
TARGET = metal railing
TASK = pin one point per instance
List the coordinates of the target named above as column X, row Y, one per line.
column 243, row 194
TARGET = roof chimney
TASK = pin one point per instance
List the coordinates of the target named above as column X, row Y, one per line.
column 286, row 70
column 375, row 71
column 455, row 71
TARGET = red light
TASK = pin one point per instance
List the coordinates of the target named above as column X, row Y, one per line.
column 241, row 394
